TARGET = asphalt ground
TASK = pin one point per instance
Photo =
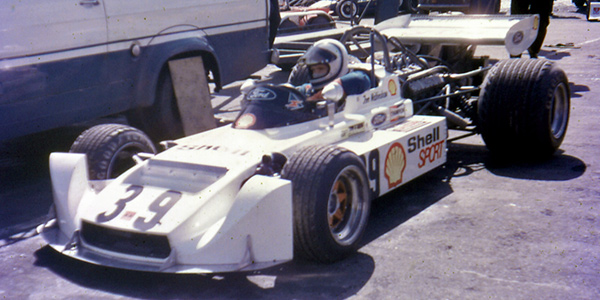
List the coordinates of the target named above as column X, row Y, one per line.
column 471, row 229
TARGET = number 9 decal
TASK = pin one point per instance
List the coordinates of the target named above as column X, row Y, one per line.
column 160, row 207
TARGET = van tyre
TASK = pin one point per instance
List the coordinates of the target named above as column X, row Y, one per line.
column 162, row 120
column 330, row 201
column 110, row 148
column 346, row 9
column 524, row 109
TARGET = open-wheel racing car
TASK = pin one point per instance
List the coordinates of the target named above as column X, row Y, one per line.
column 289, row 178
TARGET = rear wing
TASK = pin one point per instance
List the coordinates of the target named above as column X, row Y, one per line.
column 516, row 33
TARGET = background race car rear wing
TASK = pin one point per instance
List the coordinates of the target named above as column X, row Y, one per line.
column 515, row 32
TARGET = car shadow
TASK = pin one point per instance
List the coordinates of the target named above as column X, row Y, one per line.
column 554, row 54
column 463, row 159
column 292, row 280
column 559, row 167
column 577, row 89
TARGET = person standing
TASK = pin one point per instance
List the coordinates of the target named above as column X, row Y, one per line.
column 541, row 7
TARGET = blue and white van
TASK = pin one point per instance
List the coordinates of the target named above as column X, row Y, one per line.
column 68, row 61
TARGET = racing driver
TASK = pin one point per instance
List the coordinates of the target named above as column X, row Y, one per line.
column 327, row 62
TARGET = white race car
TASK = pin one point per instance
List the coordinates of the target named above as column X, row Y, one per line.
column 288, row 178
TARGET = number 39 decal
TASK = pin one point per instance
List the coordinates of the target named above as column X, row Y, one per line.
column 160, row 206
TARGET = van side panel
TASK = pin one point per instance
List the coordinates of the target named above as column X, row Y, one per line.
column 65, row 86
column 60, row 92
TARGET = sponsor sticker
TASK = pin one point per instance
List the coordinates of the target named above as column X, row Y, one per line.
column 245, row 121
column 374, row 97
column 262, row 94
column 378, row 119
column 354, row 129
column 409, row 125
column 395, row 164
column 128, row 215
column 294, row 102
column 392, row 87
column 420, row 141
column 518, row 37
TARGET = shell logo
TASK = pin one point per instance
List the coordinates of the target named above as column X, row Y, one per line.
column 395, row 164
column 392, row 87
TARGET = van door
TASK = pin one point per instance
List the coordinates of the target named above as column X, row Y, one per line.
column 36, row 27
column 235, row 30
column 49, row 58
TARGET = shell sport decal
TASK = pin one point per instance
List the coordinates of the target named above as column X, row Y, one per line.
column 392, row 87
column 395, row 164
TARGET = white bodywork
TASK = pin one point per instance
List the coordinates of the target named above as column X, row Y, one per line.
column 203, row 198
column 516, row 33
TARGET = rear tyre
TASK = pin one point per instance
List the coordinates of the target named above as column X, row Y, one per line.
column 331, row 202
column 110, row 148
column 524, row 108
column 346, row 9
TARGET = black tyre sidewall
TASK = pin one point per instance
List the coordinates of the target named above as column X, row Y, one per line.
column 103, row 143
column 340, row 6
column 313, row 172
column 515, row 108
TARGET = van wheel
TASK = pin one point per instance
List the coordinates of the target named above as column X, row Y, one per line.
column 346, row 9
column 330, row 200
column 161, row 121
column 524, row 108
column 110, row 149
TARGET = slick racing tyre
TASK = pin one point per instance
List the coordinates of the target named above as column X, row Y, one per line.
column 346, row 9
column 331, row 202
column 524, row 108
column 110, row 149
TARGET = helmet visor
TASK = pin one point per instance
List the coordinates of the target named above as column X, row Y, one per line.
column 318, row 70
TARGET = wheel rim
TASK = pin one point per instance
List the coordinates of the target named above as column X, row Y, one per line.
column 348, row 9
column 560, row 111
column 122, row 160
column 346, row 208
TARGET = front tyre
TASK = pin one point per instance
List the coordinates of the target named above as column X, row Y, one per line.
column 110, row 149
column 331, row 202
column 524, row 108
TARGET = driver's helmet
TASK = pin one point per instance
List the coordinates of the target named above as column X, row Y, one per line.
column 326, row 60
